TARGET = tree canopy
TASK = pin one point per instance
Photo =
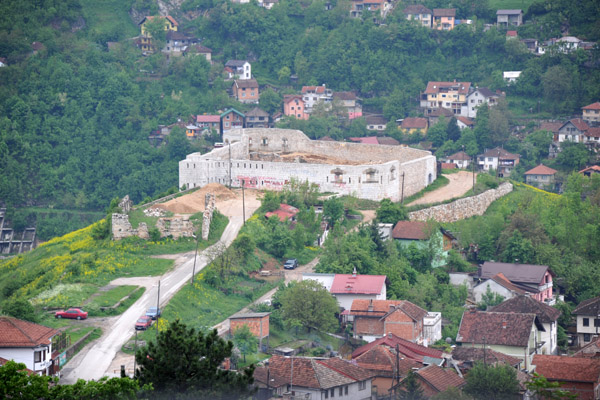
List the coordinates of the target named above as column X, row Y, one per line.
column 309, row 305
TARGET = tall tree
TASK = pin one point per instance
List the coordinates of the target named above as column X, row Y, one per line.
column 411, row 388
column 245, row 341
column 494, row 383
column 310, row 305
column 184, row 361
column 452, row 130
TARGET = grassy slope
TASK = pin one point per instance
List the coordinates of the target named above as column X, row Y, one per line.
column 105, row 18
column 510, row 4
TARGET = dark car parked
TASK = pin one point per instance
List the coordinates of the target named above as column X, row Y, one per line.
column 290, row 264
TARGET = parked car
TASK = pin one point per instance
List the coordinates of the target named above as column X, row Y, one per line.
column 153, row 312
column 73, row 313
column 290, row 264
column 143, row 323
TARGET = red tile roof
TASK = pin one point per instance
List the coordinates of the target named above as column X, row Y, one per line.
column 516, row 273
column 593, row 132
column 416, row 9
column 465, row 120
column 208, row 118
column 511, row 33
column 551, row 126
column 344, row 95
column 411, row 230
column 501, row 280
column 580, row 124
column 313, row 89
column 409, row 349
column 414, row 123
column 541, row 170
column 495, row 328
column 382, row 358
column 461, row 87
column 501, row 154
column 525, row 304
column 446, row 165
column 284, row 212
column 357, row 284
column 17, row 333
column 595, row 168
column 567, row 369
column 315, row 373
column 461, row 156
column 478, row 354
column 593, row 106
column 381, row 308
column 439, row 378
column 290, row 97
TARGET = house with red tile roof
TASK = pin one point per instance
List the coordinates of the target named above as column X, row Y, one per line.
column 420, row 13
column 547, row 315
column 464, row 122
column 513, row 334
column 406, row 348
column 376, row 122
column 461, row 159
column 293, row 105
column 589, row 171
column 385, row 364
column 285, row 212
column 423, row 235
column 541, row 176
column 467, row 357
column 533, row 279
column 246, row 90
column 451, row 96
column 315, row 94
column 316, row 378
column 591, row 113
column 580, row 376
column 434, row 380
column 575, row 130
column 209, row 122
column 588, row 320
column 497, row 284
column 411, row 125
column 348, row 287
column 374, row 319
column 27, row 343
column 499, row 160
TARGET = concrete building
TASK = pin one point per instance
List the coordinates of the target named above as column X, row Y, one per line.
column 508, row 18
column 258, row 323
column 270, row 158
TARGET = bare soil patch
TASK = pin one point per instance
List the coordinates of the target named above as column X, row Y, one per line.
column 194, row 202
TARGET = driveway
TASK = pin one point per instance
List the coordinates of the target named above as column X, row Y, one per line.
column 94, row 361
column 460, row 183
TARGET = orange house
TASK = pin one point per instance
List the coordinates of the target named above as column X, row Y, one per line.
column 444, row 19
column 293, row 105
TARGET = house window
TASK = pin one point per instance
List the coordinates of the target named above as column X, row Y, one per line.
column 362, row 385
column 586, row 322
column 346, row 390
column 586, row 337
column 37, row 356
column 341, row 391
column 596, row 322
column 264, row 141
column 327, row 394
column 332, row 393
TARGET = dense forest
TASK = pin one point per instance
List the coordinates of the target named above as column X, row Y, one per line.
column 75, row 116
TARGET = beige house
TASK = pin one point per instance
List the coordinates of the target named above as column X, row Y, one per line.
column 591, row 113
column 540, row 176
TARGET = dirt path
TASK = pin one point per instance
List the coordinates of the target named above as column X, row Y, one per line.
column 460, row 183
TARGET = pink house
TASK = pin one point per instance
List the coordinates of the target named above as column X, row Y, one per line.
column 293, row 105
column 536, row 280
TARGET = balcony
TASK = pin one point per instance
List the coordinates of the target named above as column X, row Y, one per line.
column 42, row 365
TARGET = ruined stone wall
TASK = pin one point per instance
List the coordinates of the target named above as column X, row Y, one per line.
column 381, row 176
column 462, row 208
column 209, row 206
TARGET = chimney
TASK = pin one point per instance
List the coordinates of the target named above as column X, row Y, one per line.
column 392, row 307
column 503, row 324
column 370, row 305
column 354, row 272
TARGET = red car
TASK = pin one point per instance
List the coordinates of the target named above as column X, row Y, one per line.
column 143, row 323
column 73, row 313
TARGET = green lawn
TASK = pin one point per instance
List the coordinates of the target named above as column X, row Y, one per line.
column 101, row 305
column 109, row 20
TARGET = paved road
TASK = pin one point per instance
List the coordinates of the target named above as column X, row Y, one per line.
column 94, row 361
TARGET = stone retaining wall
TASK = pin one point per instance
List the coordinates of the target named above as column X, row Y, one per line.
column 462, row 208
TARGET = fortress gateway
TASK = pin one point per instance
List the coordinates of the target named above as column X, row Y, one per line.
column 269, row 158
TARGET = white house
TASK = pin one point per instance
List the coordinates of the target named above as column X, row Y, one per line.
column 311, row 95
column 547, row 315
column 432, row 328
column 511, row 76
column 461, row 159
column 588, row 320
column 27, row 343
column 349, row 287
column 240, row 68
column 477, row 98
column 498, row 284
column 498, row 159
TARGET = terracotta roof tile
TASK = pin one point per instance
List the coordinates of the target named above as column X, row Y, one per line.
column 17, row 333
column 246, row 83
column 501, row 280
column 381, row 308
column 495, row 328
column 208, row 118
column 313, row 89
column 441, row 379
column 593, row 106
column 465, row 120
column 344, row 95
column 588, row 307
column 382, row 360
column 571, row 369
column 411, row 230
column 500, row 153
column 357, row 284
column 580, row 124
column 551, row 126
column 527, row 305
column 409, row 349
column 387, row 141
column 414, row 123
column 461, row 156
column 461, row 87
column 541, row 170
column 516, row 273
column 477, row 354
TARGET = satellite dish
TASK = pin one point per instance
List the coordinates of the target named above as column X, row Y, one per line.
column 448, row 340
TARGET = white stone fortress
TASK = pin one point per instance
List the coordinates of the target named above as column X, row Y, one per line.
column 269, row 158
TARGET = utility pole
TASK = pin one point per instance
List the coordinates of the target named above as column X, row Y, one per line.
column 484, row 358
column 473, row 174
column 134, row 352
column 402, row 198
column 157, row 307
